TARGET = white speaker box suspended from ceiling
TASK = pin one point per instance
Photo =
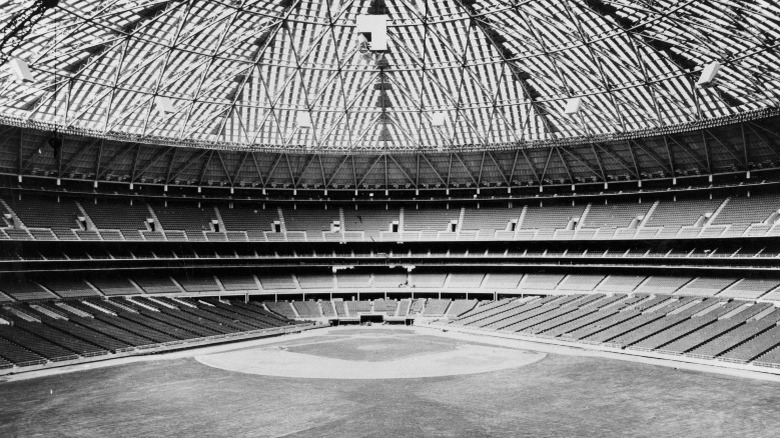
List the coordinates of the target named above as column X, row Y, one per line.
column 164, row 105
column 20, row 70
column 303, row 119
column 708, row 75
column 573, row 105
column 373, row 29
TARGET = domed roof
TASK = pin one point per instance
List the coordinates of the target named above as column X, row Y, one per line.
column 460, row 74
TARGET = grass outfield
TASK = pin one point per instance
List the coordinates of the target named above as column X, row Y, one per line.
column 558, row 396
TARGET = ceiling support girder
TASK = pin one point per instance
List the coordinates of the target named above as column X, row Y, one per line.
column 204, row 168
column 119, row 154
column 192, row 160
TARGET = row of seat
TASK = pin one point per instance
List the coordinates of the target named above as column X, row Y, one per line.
column 506, row 282
column 702, row 251
column 72, row 329
column 406, row 307
column 133, row 220
column 710, row 327
column 645, row 233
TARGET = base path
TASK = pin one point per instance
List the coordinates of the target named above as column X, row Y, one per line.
column 336, row 362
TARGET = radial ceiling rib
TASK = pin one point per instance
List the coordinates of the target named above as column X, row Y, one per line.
column 240, row 71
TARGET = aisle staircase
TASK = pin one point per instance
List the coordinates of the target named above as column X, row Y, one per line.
column 583, row 216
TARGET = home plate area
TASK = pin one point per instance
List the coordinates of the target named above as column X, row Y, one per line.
column 370, row 354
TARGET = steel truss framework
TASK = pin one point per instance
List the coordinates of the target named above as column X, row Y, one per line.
column 735, row 148
column 239, row 71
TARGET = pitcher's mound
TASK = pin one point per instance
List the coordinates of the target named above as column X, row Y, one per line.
column 374, row 356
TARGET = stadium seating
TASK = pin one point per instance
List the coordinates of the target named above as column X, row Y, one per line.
column 436, row 307
column 356, row 307
column 108, row 215
column 734, row 331
column 307, row 309
column 44, row 218
column 488, row 221
column 197, row 284
column 387, row 307
column 81, row 330
column 26, row 291
column 185, row 217
column 238, row 283
column 429, row 220
column 459, row 307
column 101, row 313
column 313, row 221
column 545, row 221
column 282, row 308
column 156, row 284
column 739, row 213
column 35, row 212
column 372, row 222
column 70, row 288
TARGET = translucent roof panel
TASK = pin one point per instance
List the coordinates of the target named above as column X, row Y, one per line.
column 459, row 74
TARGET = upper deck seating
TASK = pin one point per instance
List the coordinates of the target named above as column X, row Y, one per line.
column 429, row 219
column 617, row 215
column 185, row 217
column 490, row 218
column 117, row 215
column 372, row 221
column 183, row 220
column 745, row 211
column 40, row 212
column 674, row 215
column 312, row 220
column 550, row 218
column 243, row 218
